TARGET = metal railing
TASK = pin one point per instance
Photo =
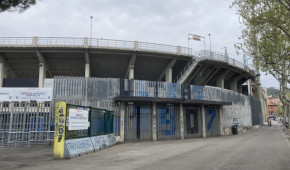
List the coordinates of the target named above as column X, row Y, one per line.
column 25, row 122
column 16, row 41
column 185, row 69
column 108, row 43
column 59, row 41
column 116, row 44
column 157, row 47
column 212, row 55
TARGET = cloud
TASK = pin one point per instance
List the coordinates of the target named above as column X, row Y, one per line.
column 162, row 21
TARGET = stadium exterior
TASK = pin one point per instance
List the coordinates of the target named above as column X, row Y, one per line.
column 156, row 91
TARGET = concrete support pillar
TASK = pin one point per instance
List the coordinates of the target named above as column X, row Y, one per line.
column 154, row 122
column 87, row 70
column 131, row 72
column 181, row 130
column 240, row 88
column 42, row 75
column 221, row 83
column 234, row 85
column 87, row 61
column 203, row 121
column 122, row 121
column 2, row 68
column 220, row 120
column 131, row 67
column 168, row 75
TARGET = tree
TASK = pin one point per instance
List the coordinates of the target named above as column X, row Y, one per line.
column 279, row 111
column 265, row 37
column 15, row 5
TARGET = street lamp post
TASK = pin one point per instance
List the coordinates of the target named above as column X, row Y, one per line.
column 209, row 42
column 91, row 26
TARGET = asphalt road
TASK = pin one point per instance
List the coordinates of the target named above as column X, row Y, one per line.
column 266, row 148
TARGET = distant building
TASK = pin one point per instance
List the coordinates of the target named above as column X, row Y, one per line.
column 274, row 104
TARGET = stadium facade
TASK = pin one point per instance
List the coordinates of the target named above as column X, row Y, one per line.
column 156, row 91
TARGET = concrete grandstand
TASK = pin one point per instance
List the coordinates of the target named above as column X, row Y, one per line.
column 157, row 91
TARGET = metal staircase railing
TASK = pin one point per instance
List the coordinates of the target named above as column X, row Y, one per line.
column 187, row 67
column 211, row 55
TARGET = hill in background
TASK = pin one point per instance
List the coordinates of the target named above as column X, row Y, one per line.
column 272, row 91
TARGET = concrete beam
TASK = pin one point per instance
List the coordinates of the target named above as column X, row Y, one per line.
column 154, row 122
column 181, row 130
column 131, row 67
column 209, row 76
column 42, row 75
column 198, row 68
column 42, row 61
column 167, row 71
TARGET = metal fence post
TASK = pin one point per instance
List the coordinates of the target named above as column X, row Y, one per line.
column 11, row 121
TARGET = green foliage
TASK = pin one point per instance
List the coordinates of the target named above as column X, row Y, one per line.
column 15, row 5
column 279, row 110
column 272, row 91
column 266, row 37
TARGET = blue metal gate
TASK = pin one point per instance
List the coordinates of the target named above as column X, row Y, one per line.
column 192, row 122
column 212, row 122
column 168, row 121
column 138, row 122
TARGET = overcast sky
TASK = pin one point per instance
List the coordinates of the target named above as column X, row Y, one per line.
column 156, row 21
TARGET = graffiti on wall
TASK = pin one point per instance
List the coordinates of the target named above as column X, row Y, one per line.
column 211, row 113
column 197, row 92
column 60, row 114
column 78, row 146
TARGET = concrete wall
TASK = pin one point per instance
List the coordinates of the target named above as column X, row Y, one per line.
column 82, row 146
column 240, row 108
column 99, row 92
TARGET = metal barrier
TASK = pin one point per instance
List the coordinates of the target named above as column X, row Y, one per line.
column 138, row 122
column 158, row 47
column 168, row 121
column 94, row 92
column 59, row 41
column 100, row 122
column 16, row 41
column 108, row 43
column 25, row 122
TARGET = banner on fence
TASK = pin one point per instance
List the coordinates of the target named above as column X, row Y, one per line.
column 26, row 94
column 78, row 119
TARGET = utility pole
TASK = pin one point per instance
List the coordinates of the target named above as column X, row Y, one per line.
column 260, row 94
column 209, row 42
